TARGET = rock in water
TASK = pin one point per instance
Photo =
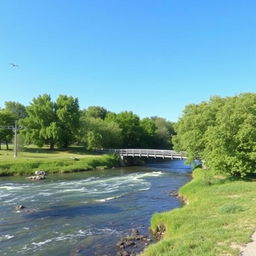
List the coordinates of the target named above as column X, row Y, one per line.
column 38, row 173
column 36, row 177
column 19, row 207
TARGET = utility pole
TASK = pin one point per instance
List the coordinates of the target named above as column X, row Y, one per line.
column 15, row 129
column 15, row 140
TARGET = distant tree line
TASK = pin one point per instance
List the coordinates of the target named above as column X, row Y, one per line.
column 221, row 132
column 62, row 123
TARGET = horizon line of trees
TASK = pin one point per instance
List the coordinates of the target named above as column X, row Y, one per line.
column 62, row 123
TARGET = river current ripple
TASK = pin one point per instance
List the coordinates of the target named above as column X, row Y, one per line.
column 85, row 213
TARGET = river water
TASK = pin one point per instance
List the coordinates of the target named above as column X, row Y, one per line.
column 85, row 213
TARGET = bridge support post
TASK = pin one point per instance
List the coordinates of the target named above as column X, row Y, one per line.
column 122, row 161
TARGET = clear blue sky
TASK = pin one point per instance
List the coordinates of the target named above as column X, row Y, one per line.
column 152, row 57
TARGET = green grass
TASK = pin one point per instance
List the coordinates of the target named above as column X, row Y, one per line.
column 218, row 219
column 57, row 161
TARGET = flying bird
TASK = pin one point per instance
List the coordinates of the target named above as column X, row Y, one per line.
column 14, row 65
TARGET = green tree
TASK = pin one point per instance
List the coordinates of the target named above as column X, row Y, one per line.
column 96, row 133
column 164, row 133
column 221, row 132
column 6, row 135
column 96, row 112
column 18, row 110
column 231, row 142
column 192, row 126
column 52, row 123
column 41, row 122
column 149, row 132
column 68, row 115
column 131, row 130
column 93, row 140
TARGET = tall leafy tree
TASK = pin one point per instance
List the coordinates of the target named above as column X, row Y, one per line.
column 148, row 133
column 192, row 126
column 231, row 142
column 67, row 117
column 41, row 122
column 96, row 133
column 130, row 128
column 52, row 123
column 164, row 132
column 221, row 132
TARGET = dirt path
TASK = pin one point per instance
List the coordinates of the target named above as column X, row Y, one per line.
column 250, row 249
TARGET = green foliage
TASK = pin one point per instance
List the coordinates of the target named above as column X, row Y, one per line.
column 68, row 115
column 51, row 123
column 18, row 110
column 221, row 132
column 163, row 134
column 230, row 208
column 193, row 125
column 231, row 142
column 93, row 140
column 149, row 132
column 6, row 119
column 96, row 133
column 61, row 123
column 41, row 126
column 96, row 112
column 131, row 130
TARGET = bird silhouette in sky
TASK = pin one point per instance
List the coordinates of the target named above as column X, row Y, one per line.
column 14, row 65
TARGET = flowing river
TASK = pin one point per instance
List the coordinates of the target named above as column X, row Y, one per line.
column 85, row 213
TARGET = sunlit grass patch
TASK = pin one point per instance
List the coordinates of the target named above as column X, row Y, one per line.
column 218, row 219
column 56, row 161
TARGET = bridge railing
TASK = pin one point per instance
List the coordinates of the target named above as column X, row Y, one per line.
column 156, row 153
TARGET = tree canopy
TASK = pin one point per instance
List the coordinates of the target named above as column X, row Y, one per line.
column 61, row 123
column 51, row 123
column 221, row 132
column 17, row 109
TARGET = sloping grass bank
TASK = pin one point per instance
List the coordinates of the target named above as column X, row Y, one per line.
column 217, row 220
column 56, row 165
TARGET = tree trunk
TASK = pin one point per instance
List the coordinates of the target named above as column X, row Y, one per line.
column 51, row 145
column 7, row 146
column 65, row 144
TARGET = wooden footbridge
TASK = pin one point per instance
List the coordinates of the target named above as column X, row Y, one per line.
column 149, row 153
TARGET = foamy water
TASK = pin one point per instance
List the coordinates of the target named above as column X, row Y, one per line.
column 93, row 188
column 82, row 211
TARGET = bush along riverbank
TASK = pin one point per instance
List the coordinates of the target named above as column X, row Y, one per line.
column 218, row 218
column 55, row 165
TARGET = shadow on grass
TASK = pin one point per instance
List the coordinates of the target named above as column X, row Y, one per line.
column 248, row 178
column 39, row 150
column 72, row 150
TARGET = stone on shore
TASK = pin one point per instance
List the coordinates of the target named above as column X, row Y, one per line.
column 133, row 244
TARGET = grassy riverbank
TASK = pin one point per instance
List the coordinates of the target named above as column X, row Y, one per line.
column 57, row 161
column 218, row 219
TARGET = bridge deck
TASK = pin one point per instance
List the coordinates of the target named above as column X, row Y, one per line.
column 155, row 153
